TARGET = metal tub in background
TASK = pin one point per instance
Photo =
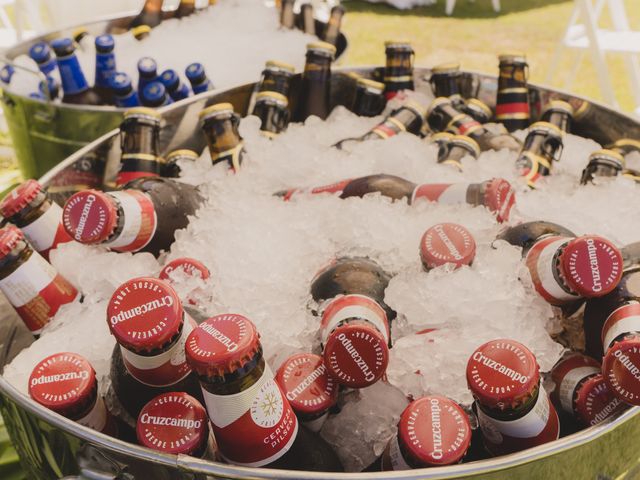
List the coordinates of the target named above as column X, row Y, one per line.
column 52, row 446
column 44, row 133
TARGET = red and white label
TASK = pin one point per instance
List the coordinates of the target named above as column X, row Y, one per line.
column 623, row 320
column 36, row 291
column 446, row 193
column 337, row 187
column 46, row 231
column 567, row 387
column 97, row 417
column 542, row 264
column 254, row 427
column 354, row 306
column 140, row 221
column 165, row 369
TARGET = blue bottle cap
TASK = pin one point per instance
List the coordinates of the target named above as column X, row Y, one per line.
column 195, row 71
column 6, row 73
column 36, row 96
column 63, row 46
column 40, row 52
column 105, row 43
column 147, row 67
column 120, row 82
column 169, row 79
column 154, row 94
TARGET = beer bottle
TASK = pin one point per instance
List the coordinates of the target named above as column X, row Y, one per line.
column 447, row 244
column 459, row 147
column 315, row 92
column 141, row 32
column 442, row 116
column 477, row 109
column 144, row 216
column 30, row 208
column 176, row 423
column 185, row 8
column 409, row 117
column 445, row 82
column 147, row 72
column 525, row 235
column 150, row 327
column 602, row 163
column 155, row 95
column 541, row 148
column 287, row 17
column 512, row 104
column 513, row 409
column 307, row 385
column 50, row 90
column 220, row 126
column 398, row 72
column 495, row 194
column 433, row 431
column 66, row 383
column 74, row 84
column 171, row 169
column 332, row 30
column 105, row 67
column 139, row 137
column 560, row 114
column 31, row 284
column 187, row 267
column 581, row 390
column 276, row 77
column 198, row 78
column 41, row 54
column 273, row 111
column 177, row 90
column 245, row 404
column 83, row 39
column 307, row 20
column 124, row 94
column 368, row 100
column 151, row 14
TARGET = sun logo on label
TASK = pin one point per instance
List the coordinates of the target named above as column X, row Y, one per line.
column 267, row 406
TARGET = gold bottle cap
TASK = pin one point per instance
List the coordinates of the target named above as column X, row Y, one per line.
column 277, row 97
column 607, row 153
column 216, row 109
column 182, row 153
column 558, row 105
column 440, row 136
column 366, row 82
column 545, row 127
column 417, row 107
column 514, row 56
column 79, row 32
column 626, row 144
column 468, row 142
column 323, row 46
column 280, row 65
column 142, row 112
column 451, row 67
column 438, row 102
column 140, row 30
column 397, row 43
column 480, row 105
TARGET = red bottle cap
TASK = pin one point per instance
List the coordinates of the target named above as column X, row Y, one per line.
column 173, row 422
column 502, row 374
column 434, row 431
column 569, row 363
column 447, row 243
column 90, row 216
column 19, row 198
column 621, row 369
column 144, row 314
column 305, row 381
column 9, row 238
column 63, row 382
column 596, row 402
column 591, row 266
column 222, row 345
column 189, row 265
column 499, row 197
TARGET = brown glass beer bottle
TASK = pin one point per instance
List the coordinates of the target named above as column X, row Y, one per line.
column 398, row 72
column 220, row 127
column 315, row 91
column 139, row 138
column 512, row 104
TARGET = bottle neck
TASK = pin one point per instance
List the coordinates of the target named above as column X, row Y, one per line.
column 512, row 76
column 73, row 79
column 222, row 134
column 105, row 68
column 445, row 85
column 139, row 137
column 238, row 381
column 275, row 81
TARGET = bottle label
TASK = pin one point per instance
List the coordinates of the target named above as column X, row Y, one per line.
column 569, row 383
column 97, row 417
column 337, row 187
column 625, row 319
column 446, row 193
column 232, row 156
column 254, row 427
column 47, row 231
column 140, row 221
column 354, row 306
column 105, row 68
column 389, row 128
column 395, row 456
column 73, row 80
column 541, row 261
column 36, row 291
column 165, row 369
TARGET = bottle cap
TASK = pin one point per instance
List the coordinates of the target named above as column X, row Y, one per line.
column 595, row 402
column 194, row 71
column 40, row 52
column 434, row 431
column 63, row 46
column 169, row 79
column 143, row 112
column 305, row 381
column 144, row 314
column 90, row 216
column 479, row 106
column 440, row 137
column 188, row 265
column 546, row 128
column 502, row 374
column 120, row 82
column 147, row 67
column 467, row 143
column 63, row 382
column 499, row 198
column 104, row 43
column 444, row 68
column 19, row 198
column 437, row 103
column 322, row 47
column 447, row 243
column 10, row 236
column 275, row 97
column 591, row 266
column 183, row 153
column 222, row 345
column 398, row 44
column 155, row 93
column 558, row 105
column 274, row 64
column 173, row 422
column 215, row 110
column 512, row 56
column 609, row 157
column 140, row 30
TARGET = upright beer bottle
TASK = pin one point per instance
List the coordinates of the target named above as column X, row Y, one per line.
column 445, row 82
column 287, row 17
column 139, row 137
column 333, row 25
column 273, row 111
column 124, row 94
column 220, row 127
column 150, row 15
column 105, row 67
column 398, row 72
column 147, row 72
column 74, row 84
column 176, row 89
column 542, row 147
column 315, row 93
column 368, row 100
column 276, row 77
column 41, row 54
column 155, row 95
column 560, row 114
column 512, row 104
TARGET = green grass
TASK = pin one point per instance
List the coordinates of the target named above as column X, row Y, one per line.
column 474, row 35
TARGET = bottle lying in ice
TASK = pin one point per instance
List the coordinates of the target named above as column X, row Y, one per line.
column 276, row 77
column 581, row 390
column 32, row 285
column 315, row 90
column 433, row 431
column 171, row 169
column 66, row 383
column 150, row 15
column 447, row 244
column 176, row 423
column 457, row 148
column 398, row 71
column 560, row 114
column 220, row 127
column 105, row 68
column 74, row 84
column 144, row 216
column 513, row 408
column 602, row 163
column 176, row 89
column 409, row 117
column 442, row 116
column 198, row 79
column 245, row 404
column 287, row 17
column 332, row 30
column 124, row 96
column 495, row 194
column 272, row 109
column 512, row 103
column 150, row 326
column 139, row 139
column 30, row 208
column 542, row 147
column 305, row 381
column 368, row 100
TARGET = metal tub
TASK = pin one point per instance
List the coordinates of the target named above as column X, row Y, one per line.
column 51, row 446
column 45, row 133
